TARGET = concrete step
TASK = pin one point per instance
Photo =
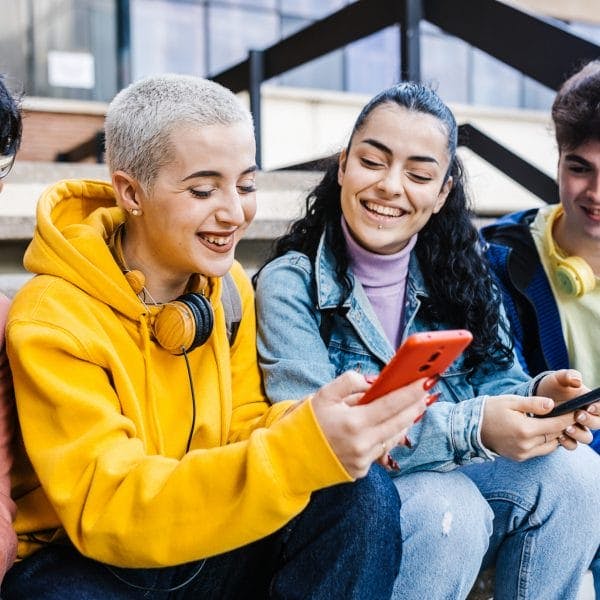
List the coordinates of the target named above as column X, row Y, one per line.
column 280, row 196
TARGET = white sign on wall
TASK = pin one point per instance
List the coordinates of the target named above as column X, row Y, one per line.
column 71, row 69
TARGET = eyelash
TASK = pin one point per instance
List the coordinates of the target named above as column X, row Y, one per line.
column 370, row 163
column 578, row 169
column 203, row 195
column 420, row 178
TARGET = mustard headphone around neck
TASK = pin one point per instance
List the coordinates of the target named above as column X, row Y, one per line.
column 572, row 274
column 180, row 326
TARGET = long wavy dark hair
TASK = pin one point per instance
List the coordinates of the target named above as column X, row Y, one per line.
column 461, row 290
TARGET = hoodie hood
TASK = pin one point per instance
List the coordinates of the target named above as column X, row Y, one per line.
column 75, row 220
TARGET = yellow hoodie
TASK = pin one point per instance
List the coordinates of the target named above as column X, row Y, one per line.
column 105, row 412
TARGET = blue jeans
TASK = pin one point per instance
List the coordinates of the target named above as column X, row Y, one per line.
column 546, row 531
column 345, row 544
column 446, row 525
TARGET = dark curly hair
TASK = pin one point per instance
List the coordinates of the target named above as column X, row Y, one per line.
column 10, row 121
column 462, row 293
column 576, row 108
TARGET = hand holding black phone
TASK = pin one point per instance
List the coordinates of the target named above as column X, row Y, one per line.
column 580, row 402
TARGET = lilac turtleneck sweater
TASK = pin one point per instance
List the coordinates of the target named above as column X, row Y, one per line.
column 383, row 277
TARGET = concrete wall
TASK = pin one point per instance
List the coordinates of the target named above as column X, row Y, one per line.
column 51, row 126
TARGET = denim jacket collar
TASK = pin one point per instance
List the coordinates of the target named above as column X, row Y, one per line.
column 357, row 308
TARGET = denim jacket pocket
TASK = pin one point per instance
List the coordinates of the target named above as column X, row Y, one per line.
column 455, row 384
column 346, row 352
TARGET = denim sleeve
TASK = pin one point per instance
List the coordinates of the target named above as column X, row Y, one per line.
column 293, row 358
column 447, row 436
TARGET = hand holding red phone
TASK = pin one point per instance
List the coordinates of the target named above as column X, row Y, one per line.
column 360, row 433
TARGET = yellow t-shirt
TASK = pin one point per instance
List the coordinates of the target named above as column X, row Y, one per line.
column 580, row 317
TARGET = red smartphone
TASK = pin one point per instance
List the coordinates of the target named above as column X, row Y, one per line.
column 422, row 354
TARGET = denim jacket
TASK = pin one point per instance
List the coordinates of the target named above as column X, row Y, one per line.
column 304, row 342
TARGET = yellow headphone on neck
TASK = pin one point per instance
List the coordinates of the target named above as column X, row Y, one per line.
column 180, row 326
column 572, row 274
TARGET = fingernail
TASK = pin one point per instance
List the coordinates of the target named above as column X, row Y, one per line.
column 547, row 403
column 432, row 398
column 570, row 429
column 575, row 375
column 592, row 409
column 581, row 417
column 370, row 378
column 429, row 383
column 392, row 464
column 419, row 418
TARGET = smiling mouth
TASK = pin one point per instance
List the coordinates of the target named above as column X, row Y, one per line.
column 217, row 240
column 383, row 211
column 220, row 244
column 592, row 211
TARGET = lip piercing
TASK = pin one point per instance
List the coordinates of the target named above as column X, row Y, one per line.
column 379, row 226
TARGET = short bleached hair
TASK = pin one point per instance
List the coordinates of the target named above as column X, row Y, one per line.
column 142, row 116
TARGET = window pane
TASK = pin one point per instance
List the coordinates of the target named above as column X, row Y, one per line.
column 249, row 3
column 315, row 9
column 373, row 63
column 73, row 34
column 444, row 65
column 323, row 73
column 536, row 95
column 166, row 37
column 234, row 31
column 494, row 83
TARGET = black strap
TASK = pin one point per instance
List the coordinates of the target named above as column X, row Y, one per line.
column 232, row 305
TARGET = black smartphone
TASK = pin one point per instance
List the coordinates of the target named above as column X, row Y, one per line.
column 582, row 401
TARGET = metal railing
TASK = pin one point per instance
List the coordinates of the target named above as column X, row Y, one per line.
column 513, row 36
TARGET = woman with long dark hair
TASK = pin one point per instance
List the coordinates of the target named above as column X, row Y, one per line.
column 387, row 248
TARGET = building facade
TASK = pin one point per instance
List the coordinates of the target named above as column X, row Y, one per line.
column 88, row 49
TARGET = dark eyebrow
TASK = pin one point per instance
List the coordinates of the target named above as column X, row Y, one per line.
column 389, row 152
column 197, row 174
column 578, row 159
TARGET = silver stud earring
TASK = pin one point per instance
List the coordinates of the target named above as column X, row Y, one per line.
column 136, row 212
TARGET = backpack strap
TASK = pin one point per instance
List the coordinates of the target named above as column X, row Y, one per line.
column 232, row 305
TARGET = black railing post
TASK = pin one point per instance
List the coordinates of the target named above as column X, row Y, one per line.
column 256, row 65
column 411, row 14
column 123, row 43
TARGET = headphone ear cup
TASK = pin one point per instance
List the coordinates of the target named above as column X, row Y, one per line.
column 184, row 324
column 574, row 276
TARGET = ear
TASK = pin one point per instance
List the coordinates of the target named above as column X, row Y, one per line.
column 443, row 195
column 342, row 166
column 128, row 190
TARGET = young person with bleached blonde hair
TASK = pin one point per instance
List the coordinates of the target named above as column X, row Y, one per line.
column 152, row 465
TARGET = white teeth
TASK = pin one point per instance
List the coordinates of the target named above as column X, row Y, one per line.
column 388, row 211
column 217, row 240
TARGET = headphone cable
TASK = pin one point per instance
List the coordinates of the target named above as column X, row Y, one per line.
column 189, row 372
